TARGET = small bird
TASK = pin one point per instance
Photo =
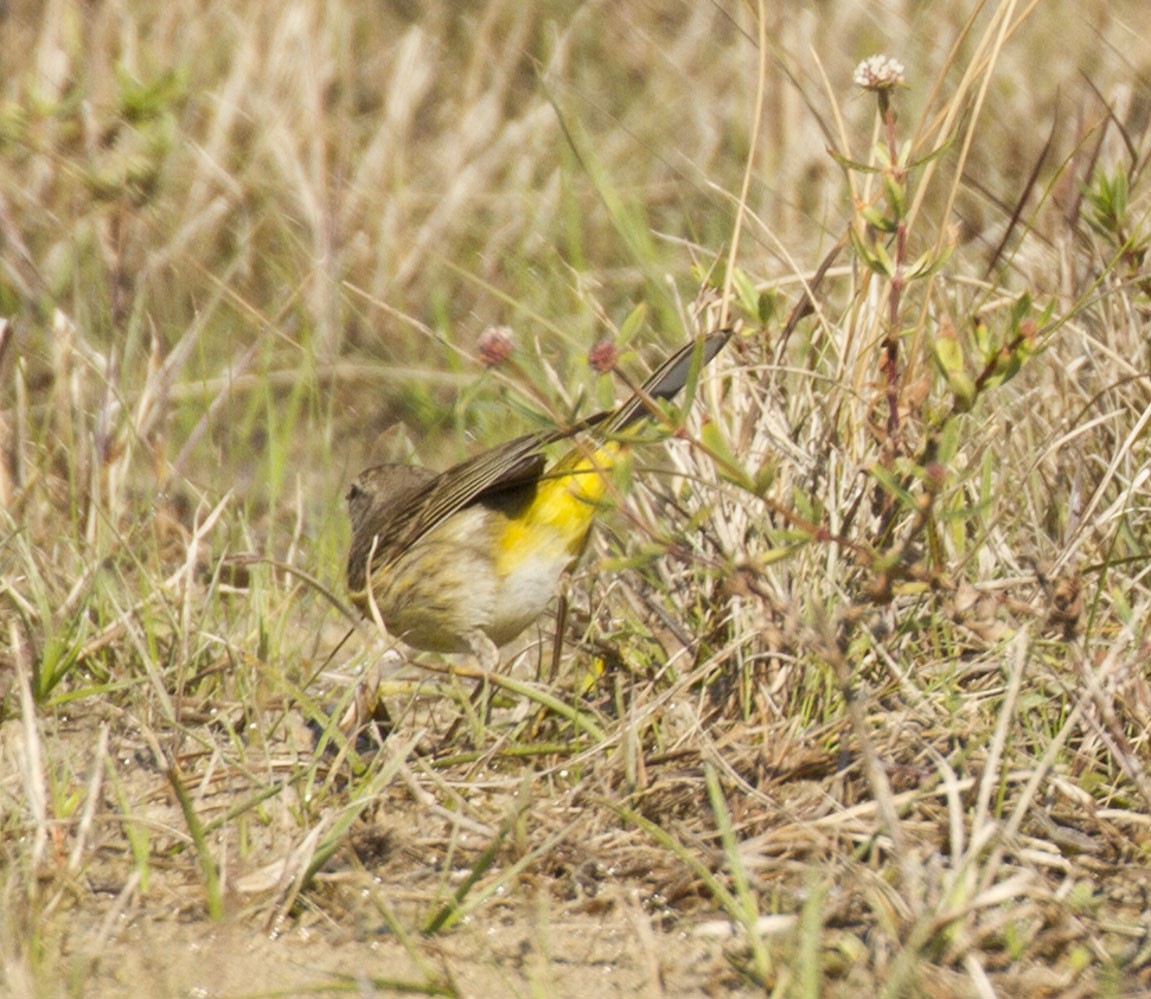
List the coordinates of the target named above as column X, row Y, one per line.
column 464, row 560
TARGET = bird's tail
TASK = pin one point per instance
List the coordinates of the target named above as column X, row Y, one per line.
column 667, row 380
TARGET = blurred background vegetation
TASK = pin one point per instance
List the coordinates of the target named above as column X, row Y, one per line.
column 302, row 210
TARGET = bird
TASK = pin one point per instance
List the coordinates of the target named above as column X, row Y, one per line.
column 464, row 560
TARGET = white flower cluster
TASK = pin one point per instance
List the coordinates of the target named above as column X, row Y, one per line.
column 879, row 72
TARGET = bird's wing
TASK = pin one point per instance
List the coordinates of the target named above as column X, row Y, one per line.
column 517, row 462
column 520, row 461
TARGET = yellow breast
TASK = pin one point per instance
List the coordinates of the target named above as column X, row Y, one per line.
column 544, row 540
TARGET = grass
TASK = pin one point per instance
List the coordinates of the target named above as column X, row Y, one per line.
column 851, row 696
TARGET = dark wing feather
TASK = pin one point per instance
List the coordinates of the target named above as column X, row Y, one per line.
column 668, row 379
column 516, row 462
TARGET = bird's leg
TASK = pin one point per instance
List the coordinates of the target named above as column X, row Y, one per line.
column 486, row 651
column 487, row 655
column 558, row 636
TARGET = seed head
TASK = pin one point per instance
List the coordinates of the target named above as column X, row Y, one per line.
column 604, row 356
column 495, row 345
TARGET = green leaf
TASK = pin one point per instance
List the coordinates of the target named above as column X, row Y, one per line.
column 926, row 265
column 983, row 340
column 949, row 354
column 767, row 307
column 877, row 219
column 850, row 164
column 890, row 484
column 1020, row 309
column 143, row 100
column 727, row 464
column 896, row 196
column 631, row 324
column 962, row 387
column 948, row 445
column 746, row 291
